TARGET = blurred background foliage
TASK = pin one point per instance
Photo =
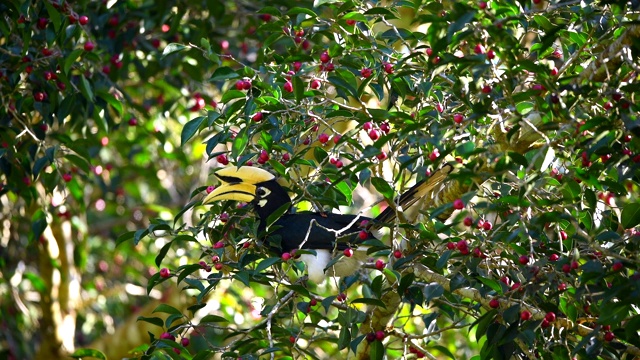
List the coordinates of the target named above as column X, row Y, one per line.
column 115, row 113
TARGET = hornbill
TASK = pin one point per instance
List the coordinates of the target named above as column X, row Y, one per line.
column 324, row 233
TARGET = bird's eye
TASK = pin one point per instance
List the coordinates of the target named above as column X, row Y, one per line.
column 261, row 191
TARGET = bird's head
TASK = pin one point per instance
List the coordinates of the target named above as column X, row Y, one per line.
column 249, row 184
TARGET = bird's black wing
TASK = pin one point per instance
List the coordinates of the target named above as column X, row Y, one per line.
column 317, row 231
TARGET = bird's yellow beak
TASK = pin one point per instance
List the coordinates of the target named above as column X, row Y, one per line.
column 238, row 183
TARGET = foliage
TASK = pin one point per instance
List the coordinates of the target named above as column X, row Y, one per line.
column 112, row 144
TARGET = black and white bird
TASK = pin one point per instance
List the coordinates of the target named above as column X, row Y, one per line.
column 327, row 234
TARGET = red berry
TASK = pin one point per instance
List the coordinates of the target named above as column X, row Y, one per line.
column 133, row 121
column 366, row 73
column 184, row 342
column 88, row 46
column 482, row 5
column 371, row 337
column 286, row 256
column 385, row 127
column 381, row 156
column 167, row 336
column 609, row 336
column 439, row 107
column 574, row 265
column 553, row 257
column 114, row 20
column 523, row 260
column 324, row 57
column 462, row 245
column 554, row 71
column 218, row 266
column 550, row 317
column 491, row 54
column 165, row 273
column 486, row 89
column 468, row 221
column 487, row 225
column 397, row 254
column 451, row 245
column 562, row 287
column 525, row 315
column 288, row 87
column 617, row 266
column 380, row 335
column 42, row 23
column 388, row 68
column 83, row 20
column 494, row 303
column 315, row 84
column 351, row 22
column 458, row 204
column 341, row 297
column 257, row 116
column 479, row 49
column 515, row 286
column 429, row 51
column 348, row 252
column 323, row 138
column 545, row 324
column 458, row 118
column 566, row 268
column 292, row 339
column 66, row 177
column 367, row 126
column 39, row 96
column 218, row 245
column 380, row 264
column 434, row 155
column 374, row 134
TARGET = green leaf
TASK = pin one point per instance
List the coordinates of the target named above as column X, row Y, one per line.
column 152, row 320
column 54, row 15
column 266, row 263
column 213, row 318
column 630, row 215
column 223, row 73
column 167, row 309
column 494, row 285
column 344, row 338
column 162, row 253
column 543, row 22
column 85, row 89
column 383, row 187
column 355, row 16
column 232, row 94
column 239, row 143
column 125, row 237
column 84, row 353
column 300, row 10
column 111, row 100
column 376, row 350
column 190, row 128
column 172, row 48
column 38, row 224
